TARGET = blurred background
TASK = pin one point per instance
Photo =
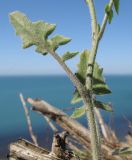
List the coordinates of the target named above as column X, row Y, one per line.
column 41, row 77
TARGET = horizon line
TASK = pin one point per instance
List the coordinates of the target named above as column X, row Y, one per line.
column 17, row 75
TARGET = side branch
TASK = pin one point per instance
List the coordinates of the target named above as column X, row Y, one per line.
column 104, row 22
column 72, row 77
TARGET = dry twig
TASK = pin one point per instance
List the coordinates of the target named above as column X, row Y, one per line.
column 29, row 123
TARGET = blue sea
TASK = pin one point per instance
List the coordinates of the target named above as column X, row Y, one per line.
column 56, row 90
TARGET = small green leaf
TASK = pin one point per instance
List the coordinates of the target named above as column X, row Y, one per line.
column 79, row 112
column 116, row 5
column 82, row 66
column 58, row 40
column 98, row 74
column 69, row 55
column 103, row 106
column 109, row 13
column 107, row 9
column 76, row 97
column 101, row 89
column 122, row 151
column 99, row 85
column 98, row 27
column 110, row 16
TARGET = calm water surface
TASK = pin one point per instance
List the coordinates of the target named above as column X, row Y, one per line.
column 57, row 90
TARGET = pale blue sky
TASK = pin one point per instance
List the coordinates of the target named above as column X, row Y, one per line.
column 73, row 20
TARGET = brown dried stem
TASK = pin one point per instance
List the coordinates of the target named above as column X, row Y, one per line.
column 29, row 123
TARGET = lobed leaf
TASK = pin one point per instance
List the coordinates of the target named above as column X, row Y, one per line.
column 103, row 106
column 79, row 112
column 98, row 74
column 76, row 97
column 116, row 5
column 57, row 41
column 101, row 89
column 82, row 66
column 69, row 55
column 99, row 85
column 36, row 33
column 110, row 16
column 109, row 13
column 122, row 151
column 32, row 33
column 107, row 9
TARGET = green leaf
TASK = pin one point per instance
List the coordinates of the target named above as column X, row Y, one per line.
column 79, row 112
column 99, row 85
column 82, row 69
column 82, row 66
column 116, row 5
column 98, row 74
column 109, row 13
column 36, row 33
column 98, row 27
column 107, row 9
column 76, row 97
column 110, row 16
column 69, row 55
column 122, row 151
column 101, row 89
column 32, row 33
column 103, row 106
column 57, row 41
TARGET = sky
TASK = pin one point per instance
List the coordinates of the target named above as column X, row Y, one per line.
column 73, row 20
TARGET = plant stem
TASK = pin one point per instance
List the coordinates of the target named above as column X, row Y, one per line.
column 87, row 96
column 87, row 101
column 96, row 146
column 72, row 77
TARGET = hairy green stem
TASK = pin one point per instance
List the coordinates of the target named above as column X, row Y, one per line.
column 95, row 136
column 71, row 76
column 96, row 146
column 86, row 99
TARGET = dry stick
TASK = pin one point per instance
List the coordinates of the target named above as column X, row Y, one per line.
column 24, row 150
column 55, row 130
column 67, row 123
column 108, row 135
column 48, row 120
column 34, row 138
column 101, row 123
column 69, row 108
column 129, row 122
column 53, row 127
column 79, row 132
